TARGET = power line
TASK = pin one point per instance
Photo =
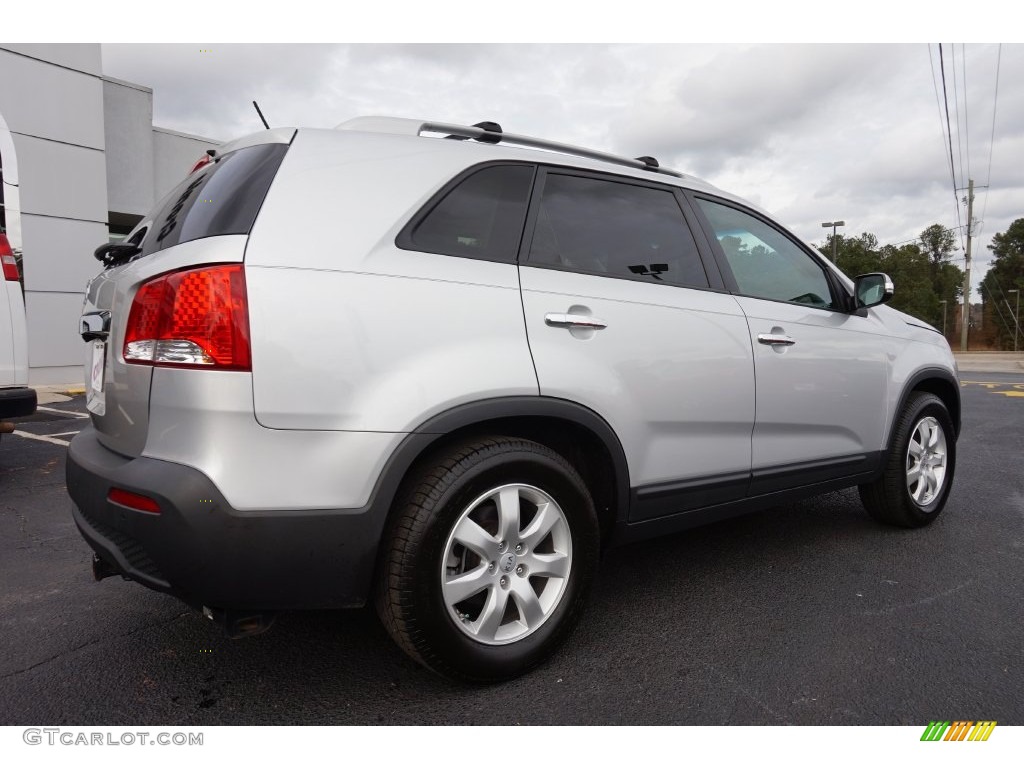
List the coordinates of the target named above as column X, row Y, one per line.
column 956, row 111
column 967, row 131
column 918, row 238
column 992, row 139
column 938, row 103
column 949, row 133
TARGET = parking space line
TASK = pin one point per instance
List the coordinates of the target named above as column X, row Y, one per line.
column 44, row 438
column 64, row 413
column 62, row 434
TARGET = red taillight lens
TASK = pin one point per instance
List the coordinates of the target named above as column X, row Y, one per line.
column 133, row 500
column 194, row 318
column 7, row 258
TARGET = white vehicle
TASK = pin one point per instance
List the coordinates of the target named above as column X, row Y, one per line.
column 16, row 398
column 444, row 367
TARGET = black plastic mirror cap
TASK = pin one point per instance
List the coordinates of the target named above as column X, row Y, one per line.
column 869, row 281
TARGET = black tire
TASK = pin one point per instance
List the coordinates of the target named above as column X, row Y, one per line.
column 410, row 599
column 889, row 499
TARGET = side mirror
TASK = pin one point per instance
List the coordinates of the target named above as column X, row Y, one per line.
column 872, row 289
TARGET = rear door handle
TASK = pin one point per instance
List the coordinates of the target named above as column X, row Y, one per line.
column 776, row 339
column 565, row 320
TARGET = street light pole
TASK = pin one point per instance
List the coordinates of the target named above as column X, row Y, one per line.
column 1016, row 318
column 833, row 224
column 943, row 302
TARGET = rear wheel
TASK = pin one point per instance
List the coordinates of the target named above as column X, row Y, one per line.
column 489, row 559
column 918, row 473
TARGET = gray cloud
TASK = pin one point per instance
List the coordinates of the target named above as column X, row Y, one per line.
column 809, row 132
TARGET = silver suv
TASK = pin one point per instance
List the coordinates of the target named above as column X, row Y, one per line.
column 444, row 367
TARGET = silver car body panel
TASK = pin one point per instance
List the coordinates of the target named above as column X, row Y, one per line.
column 383, row 338
column 205, row 420
column 672, row 372
column 819, row 397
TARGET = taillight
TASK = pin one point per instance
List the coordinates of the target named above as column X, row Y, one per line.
column 7, row 258
column 196, row 318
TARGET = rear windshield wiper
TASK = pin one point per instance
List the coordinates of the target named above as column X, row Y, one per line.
column 116, row 254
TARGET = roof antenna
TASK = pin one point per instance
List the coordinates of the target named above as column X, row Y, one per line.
column 260, row 113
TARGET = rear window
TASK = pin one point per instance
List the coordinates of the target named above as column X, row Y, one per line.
column 221, row 199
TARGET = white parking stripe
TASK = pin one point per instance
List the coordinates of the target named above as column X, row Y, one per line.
column 61, row 434
column 64, row 413
column 44, row 438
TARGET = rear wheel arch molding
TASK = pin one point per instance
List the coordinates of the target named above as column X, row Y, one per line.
column 938, row 381
column 465, row 419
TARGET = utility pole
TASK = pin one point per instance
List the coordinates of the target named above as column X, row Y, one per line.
column 965, row 317
column 1016, row 316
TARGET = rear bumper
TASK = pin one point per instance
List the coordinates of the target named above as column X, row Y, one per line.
column 209, row 554
column 17, row 401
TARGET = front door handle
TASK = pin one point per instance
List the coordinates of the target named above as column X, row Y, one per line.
column 776, row 339
column 566, row 320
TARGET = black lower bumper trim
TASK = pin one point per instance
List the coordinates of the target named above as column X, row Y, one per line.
column 201, row 549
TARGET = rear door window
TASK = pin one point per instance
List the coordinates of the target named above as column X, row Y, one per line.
column 617, row 229
column 223, row 198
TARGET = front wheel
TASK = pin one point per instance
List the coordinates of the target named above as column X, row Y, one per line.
column 489, row 559
column 918, row 473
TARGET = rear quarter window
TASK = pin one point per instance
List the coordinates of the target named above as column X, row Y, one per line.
column 481, row 216
column 223, row 198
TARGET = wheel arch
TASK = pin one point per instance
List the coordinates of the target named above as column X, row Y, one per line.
column 937, row 381
column 579, row 434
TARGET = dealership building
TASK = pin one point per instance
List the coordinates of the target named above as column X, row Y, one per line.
column 81, row 163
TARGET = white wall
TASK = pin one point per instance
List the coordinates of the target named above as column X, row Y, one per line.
column 128, row 127
column 174, row 155
column 51, row 97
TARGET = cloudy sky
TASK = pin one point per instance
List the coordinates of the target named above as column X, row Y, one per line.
column 811, row 133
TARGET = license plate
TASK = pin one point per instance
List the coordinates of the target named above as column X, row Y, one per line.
column 98, row 358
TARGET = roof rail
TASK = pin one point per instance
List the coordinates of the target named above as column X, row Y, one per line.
column 488, row 135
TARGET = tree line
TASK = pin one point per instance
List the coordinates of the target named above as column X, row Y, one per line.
column 921, row 271
column 925, row 277
column 1004, row 276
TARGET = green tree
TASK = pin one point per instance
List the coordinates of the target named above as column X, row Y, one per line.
column 920, row 271
column 855, row 255
column 939, row 243
column 1005, row 274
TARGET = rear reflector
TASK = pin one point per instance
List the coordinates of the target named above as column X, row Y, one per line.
column 202, row 161
column 133, row 500
column 7, row 258
column 196, row 318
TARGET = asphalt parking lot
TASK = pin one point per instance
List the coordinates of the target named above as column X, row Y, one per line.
column 805, row 614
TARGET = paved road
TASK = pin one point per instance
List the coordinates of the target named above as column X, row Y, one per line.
column 808, row 613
